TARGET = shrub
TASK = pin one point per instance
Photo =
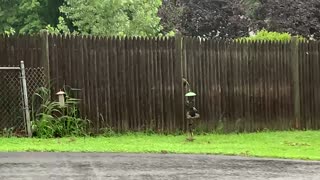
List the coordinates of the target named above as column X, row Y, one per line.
column 49, row 120
column 265, row 35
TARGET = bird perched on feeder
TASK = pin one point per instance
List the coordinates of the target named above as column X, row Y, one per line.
column 192, row 111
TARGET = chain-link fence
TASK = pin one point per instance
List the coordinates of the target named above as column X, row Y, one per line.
column 12, row 106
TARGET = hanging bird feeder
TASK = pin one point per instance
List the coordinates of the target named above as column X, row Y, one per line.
column 61, row 97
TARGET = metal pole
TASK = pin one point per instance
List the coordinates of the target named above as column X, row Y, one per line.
column 9, row 68
column 25, row 98
column 22, row 98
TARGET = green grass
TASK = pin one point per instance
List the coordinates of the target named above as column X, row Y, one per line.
column 293, row 145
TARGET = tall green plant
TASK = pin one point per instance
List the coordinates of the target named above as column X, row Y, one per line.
column 50, row 120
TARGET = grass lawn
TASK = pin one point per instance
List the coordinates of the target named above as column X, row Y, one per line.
column 293, row 145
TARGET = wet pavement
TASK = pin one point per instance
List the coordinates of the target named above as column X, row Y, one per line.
column 44, row 166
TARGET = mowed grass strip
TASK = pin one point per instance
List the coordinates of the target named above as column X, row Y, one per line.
column 290, row 145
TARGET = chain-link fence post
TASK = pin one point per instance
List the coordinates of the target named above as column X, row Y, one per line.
column 25, row 98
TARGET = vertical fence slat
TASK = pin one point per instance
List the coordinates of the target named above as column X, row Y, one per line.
column 289, row 80
column 157, row 85
column 313, row 82
column 144, row 85
column 171, row 99
column 103, row 114
column 317, row 88
column 207, row 85
column 166, row 80
column 161, row 73
column 178, row 73
column 247, row 89
column 270, row 84
column 153, row 82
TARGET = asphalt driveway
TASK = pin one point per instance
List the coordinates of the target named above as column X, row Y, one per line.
column 44, row 166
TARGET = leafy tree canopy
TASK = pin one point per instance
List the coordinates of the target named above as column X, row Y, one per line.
column 205, row 18
column 297, row 17
column 114, row 17
column 237, row 18
column 28, row 16
column 96, row 17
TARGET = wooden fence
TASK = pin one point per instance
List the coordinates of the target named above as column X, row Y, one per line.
column 136, row 83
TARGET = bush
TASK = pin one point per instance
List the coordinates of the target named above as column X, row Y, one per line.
column 265, row 35
column 49, row 120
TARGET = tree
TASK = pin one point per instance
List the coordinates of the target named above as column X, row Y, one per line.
column 114, row 17
column 171, row 16
column 297, row 17
column 212, row 18
column 236, row 18
column 28, row 19
column 50, row 12
column 8, row 9
column 28, row 16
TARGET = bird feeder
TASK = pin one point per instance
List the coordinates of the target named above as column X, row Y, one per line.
column 190, row 101
column 61, row 97
column 190, row 105
column 191, row 94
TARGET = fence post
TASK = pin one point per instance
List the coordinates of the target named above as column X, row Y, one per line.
column 25, row 98
column 45, row 55
column 296, row 80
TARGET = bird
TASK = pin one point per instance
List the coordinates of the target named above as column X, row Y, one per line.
column 193, row 112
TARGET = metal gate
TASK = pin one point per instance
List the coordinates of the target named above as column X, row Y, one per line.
column 14, row 107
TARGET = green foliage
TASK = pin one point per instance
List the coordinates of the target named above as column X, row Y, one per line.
column 149, row 131
column 95, row 17
column 7, row 132
column 178, row 132
column 9, row 32
column 109, row 132
column 220, row 127
column 8, row 10
column 169, row 34
column 50, row 120
column 28, row 19
column 114, row 17
column 265, row 35
column 62, row 27
column 28, row 16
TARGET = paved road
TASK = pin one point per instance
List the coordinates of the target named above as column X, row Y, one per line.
column 44, row 166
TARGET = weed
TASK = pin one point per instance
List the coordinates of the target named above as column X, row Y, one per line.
column 150, row 127
column 108, row 132
column 220, row 127
column 238, row 126
column 7, row 132
column 179, row 132
column 149, row 131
